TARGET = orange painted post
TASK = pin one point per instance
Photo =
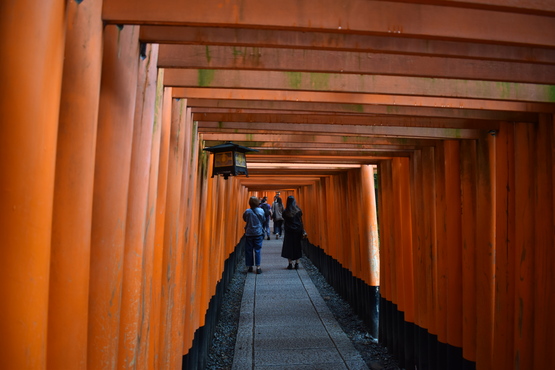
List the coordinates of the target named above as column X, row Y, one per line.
column 331, row 232
column 440, row 296
column 113, row 157
column 171, row 340
column 503, row 339
column 191, row 252
column 32, row 44
column 163, row 143
column 468, row 232
column 372, row 250
column 429, row 246
column 485, row 251
column 134, row 295
column 395, row 275
column 453, row 242
column 551, row 253
column 404, row 217
column 386, row 225
column 182, row 304
column 73, row 193
column 352, row 206
column 153, row 258
column 400, row 213
column 524, row 245
column 544, row 257
column 401, row 168
column 204, row 245
column 418, row 206
column 387, row 230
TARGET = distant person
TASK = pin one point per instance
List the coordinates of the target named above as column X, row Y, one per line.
column 254, row 234
column 294, row 232
column 267, row 213
column 277, row 215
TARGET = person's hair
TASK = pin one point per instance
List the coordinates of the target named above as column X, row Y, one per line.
column 291, row 208
column 254, row 202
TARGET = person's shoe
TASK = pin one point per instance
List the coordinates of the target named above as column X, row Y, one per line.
column 277, row 236
column 259, row 270
column 296, row 265
column 268, row 236
column 289, row 267
column 250, row 268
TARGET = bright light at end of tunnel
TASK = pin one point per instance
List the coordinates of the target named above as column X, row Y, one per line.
column 302, row 166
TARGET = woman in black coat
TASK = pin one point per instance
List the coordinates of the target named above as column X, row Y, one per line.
column 294, row 232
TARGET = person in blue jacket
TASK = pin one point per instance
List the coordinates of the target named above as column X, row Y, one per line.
column 254, row 234
column 267, row 214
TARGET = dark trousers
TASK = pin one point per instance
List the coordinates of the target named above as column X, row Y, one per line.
column 278, row 227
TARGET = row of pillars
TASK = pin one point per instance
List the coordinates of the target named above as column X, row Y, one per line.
column 114, row 237
column 107, row 214
column 467, row 245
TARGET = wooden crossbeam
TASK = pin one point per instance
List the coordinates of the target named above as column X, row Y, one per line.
column 370, row 63
column 407, row 132
column 357, row 16
column 338, row 119
column 360, row 84
column 285, row 38
column 261, row 139
column 254, row 106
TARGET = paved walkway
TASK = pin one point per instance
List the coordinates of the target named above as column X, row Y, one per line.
column 285, row 323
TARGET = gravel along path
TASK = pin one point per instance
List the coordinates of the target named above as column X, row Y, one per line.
column 220, row 356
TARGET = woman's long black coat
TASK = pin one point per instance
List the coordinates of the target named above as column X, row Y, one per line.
column 294, row 230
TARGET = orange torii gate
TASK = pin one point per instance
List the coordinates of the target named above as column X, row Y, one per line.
column 116, row 240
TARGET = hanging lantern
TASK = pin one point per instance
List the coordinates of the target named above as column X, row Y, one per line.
column 229, row 159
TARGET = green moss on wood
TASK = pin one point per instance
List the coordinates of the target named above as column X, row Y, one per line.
column 205, row 77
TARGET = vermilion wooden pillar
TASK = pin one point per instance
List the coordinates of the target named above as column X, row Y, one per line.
column 171, row 336
column 418, row 206
column 164, row 121
column 440, row 221
column 485, row 252
column 468, row 233
column 429, row 247
column 401, row 197
column 453, row 241
column 544, row 255
column 524, row 245
column 372, row 249
column 113, row 157
column 32, row 44
column 503, row 341
column 181, row 303
column 191, row 318
column 206, row 186
column 152, row 267
column 550, row 252
column 135, row 299
column 73, row 194
column 387, row 232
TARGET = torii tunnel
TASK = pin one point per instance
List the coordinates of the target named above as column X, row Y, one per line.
column 417, row 136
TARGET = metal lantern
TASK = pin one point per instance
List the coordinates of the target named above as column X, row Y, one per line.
column 229, row 159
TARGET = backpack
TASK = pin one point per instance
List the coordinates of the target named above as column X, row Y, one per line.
column 266, row 209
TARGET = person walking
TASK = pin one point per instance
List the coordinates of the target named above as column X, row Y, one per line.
column 254, row 235
column 277, row 215
column 294, row 232
column 267, row 213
